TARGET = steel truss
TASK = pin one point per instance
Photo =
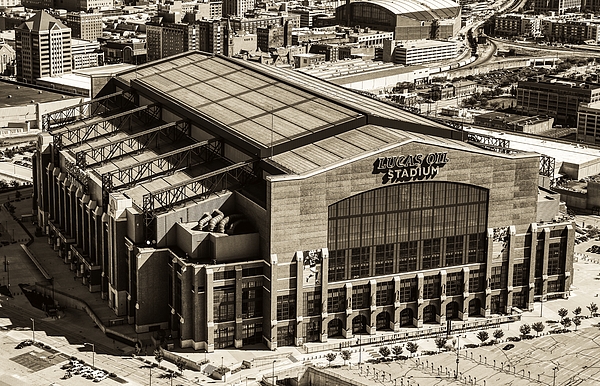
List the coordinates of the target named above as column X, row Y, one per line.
column 201, row 187
column 57, row 119
column 174, row 131
column 162, row 164
column 105, row 126
column 547, row 165
column 78, row 176
column 499, row 145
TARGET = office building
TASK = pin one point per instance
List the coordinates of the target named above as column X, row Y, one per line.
column 553, row 97
column 85, row 26
column 167, row 39
column 426, row 51
column 237, row 8
column 43, row 46
column 248, row 204
column 558, row 7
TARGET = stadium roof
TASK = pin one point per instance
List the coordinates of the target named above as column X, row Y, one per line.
column 419, row 9
column 265, row 110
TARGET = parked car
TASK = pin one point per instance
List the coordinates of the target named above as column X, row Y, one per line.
column 101, row 378
column 508, row 347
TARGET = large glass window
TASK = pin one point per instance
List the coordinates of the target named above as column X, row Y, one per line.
column 361, row 296
column 405, row 227
column 286, row 307
column 224, row 304
column 385, row 293
column 336, row 299
column 408, row 290
column 454, row 284
column 476, row 280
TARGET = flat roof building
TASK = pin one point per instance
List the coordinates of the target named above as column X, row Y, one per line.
column 246, row 204
column 426, row 51
column 555, row 97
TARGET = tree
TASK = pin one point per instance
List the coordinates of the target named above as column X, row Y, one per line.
column 346, row 355
column 397, row 351
column 576, row 322
column 566, row 322
column 562, row 313
column 412, row 347
column 483, row 336
column 576, row 312
column 498, row 334
column 330, row 357
column 180, row 363
column 593, row 309
column 384, row 351
column 158, row 356
column 538, row 327
column 440, row 342
column 525, row 329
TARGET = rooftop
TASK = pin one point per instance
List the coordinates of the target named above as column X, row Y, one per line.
column 420, row 9
column 561, row 151
column 22, row 95
column 266, row 109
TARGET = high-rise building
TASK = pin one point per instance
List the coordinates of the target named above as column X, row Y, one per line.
column 85, row 26
column 273, row 37
column 557, row 6
column 237, row 7
column 166, row 39
column 43, row 48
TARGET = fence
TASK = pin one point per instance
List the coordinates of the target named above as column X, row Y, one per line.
column 399, row 337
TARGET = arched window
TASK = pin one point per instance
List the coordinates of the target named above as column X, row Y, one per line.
column 407, row 227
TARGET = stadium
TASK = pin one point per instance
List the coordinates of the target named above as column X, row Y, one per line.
column 226, row 204
column 408, row 19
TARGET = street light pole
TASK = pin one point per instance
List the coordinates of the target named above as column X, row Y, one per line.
column 359, row 350
column 32, row 329
column 554, row 377
column 93, row 352
column 457, row 360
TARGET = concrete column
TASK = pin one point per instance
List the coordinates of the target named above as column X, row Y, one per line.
column 372, row 326
column 532, row 262
column 488, row 273
column 238, row 307
column 272, row 339
column 347, row 331
column 443, row 298
column 210, row 314
column 546, row 241
column 418, row 320
column 466, row 298
column 397, row 309
column 324, row 293
column 299, row 297
column 511, row 261
column 569, row 258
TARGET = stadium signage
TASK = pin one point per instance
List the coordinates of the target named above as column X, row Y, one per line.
column 413, row 167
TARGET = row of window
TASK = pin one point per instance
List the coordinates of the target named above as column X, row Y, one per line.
column 406, row 257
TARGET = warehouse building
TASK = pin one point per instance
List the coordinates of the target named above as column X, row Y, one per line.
column 230, row 204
